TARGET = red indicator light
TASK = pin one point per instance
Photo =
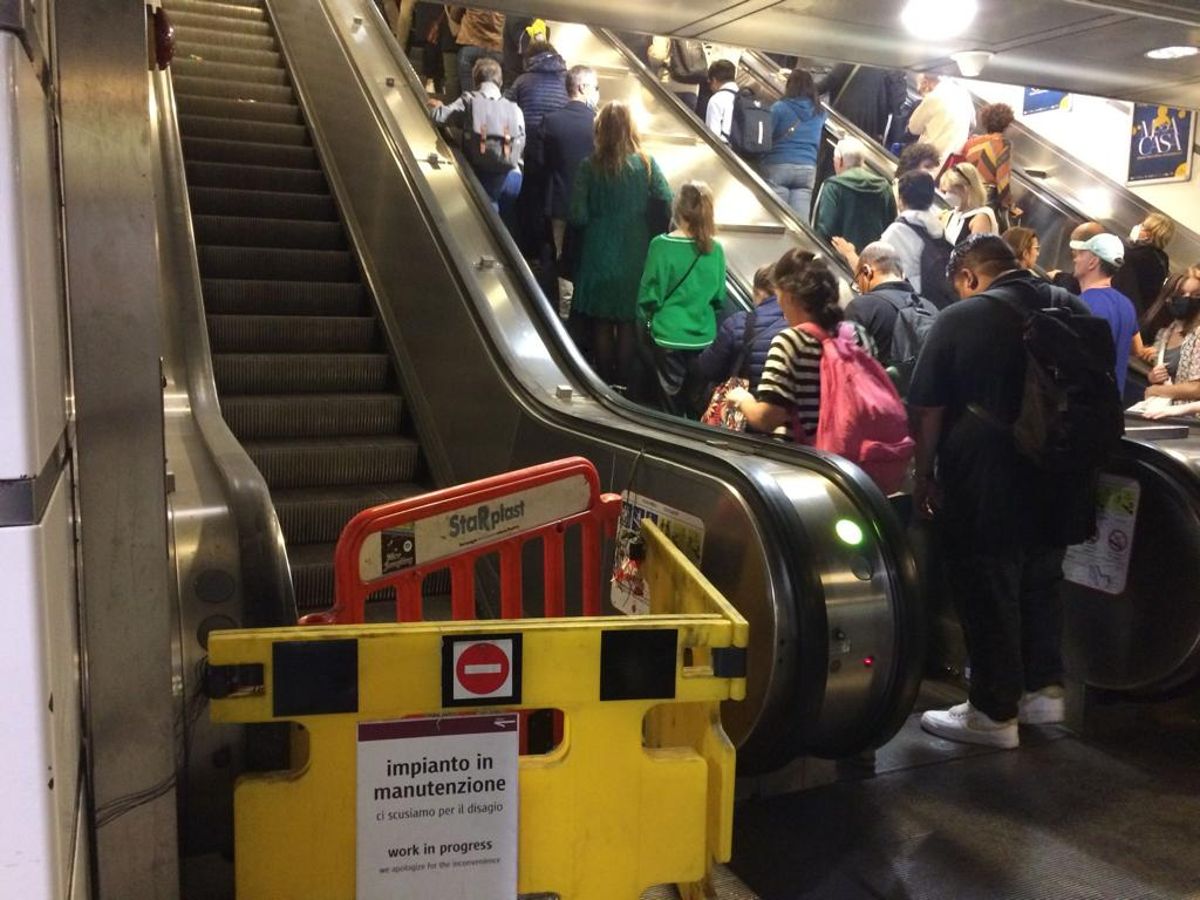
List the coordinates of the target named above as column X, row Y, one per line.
column 868, row 661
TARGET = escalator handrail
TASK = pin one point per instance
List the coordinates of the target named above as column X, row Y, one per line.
column 849, row 479
column 265, row 576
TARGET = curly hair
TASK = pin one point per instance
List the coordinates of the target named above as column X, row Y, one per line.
column 915, row 156
column 996, row 117
column 806, row 279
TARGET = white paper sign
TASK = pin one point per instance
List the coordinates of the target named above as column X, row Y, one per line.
column 437, row 808
column 1103, row 563
column 628, row 592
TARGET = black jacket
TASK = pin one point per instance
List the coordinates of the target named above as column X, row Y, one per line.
column 865, row 95
column 566, row 140
column 1141, row 277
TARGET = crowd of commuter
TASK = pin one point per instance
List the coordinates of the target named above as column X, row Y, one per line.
column 945, row 297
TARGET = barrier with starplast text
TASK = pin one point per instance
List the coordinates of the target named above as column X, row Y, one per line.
column 637, row 791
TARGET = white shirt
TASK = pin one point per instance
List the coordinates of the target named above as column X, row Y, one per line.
column 944, row 118
column 719, row 115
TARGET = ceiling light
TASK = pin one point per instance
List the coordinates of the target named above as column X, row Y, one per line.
column 938, row 20
column 1172, row 52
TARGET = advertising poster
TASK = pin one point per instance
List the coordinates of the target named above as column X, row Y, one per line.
column 1160, row 144
column 1041, row 100
column 437, row 808
column 686, row 531
column 1102, row 563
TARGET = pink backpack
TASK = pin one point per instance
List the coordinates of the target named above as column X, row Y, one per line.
column 862, row 417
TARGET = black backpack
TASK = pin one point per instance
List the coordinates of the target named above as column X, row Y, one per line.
column 1071, row 418
column 750, row 128
column 914, row 319
column 935, row 256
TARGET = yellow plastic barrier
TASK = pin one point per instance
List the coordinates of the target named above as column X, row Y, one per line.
column 639, row 791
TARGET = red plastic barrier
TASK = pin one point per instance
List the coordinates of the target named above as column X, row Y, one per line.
column 453, row 528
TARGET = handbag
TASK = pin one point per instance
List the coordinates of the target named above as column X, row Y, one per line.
column 658, row 209
column 720, row 413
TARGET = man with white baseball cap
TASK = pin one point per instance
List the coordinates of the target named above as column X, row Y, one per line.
column 1098, row 256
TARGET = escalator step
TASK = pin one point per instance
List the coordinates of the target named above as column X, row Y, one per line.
column 239, row 130
column 269, row 263
column 292, row 334
column 237, row 231
column 283, row 298
column 255, row 178
column 186, row 18
column 335, row 462
column 312, row 578
column 267, row 204
column 318, row 515
column 252, row 12
column 300, row 373
column 207, row 68
column 251, row 110
column 232, row 90
column 313, row 415
column 190, row 35
column 203, row 52
column 249, row 153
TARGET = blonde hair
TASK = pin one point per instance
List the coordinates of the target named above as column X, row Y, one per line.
column 964, row 175
column 1158, row 230
column 694, row 212
column 616, row 138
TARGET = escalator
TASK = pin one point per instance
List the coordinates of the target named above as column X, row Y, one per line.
column 349, row 324
column 1140, row 636
column 298, row 356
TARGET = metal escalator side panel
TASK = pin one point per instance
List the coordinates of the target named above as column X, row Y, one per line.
column 1144, row 641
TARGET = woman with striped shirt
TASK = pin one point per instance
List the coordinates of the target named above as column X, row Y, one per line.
column 789, row 392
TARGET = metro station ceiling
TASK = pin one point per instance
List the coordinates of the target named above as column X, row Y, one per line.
column 1085, row 46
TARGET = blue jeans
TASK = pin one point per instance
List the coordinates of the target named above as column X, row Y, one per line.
column 793, row 182
column 467, row 56
column 503, row 188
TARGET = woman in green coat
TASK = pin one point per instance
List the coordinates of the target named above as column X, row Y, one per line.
column 612, row 192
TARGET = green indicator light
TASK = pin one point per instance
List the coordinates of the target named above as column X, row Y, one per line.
column 850, row 532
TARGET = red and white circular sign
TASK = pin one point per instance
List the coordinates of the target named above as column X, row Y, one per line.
column 482, row 669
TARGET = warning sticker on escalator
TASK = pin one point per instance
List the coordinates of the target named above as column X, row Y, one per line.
column 1102, row 563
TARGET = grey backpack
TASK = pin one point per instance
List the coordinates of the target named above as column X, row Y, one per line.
column 490, row 127
column 914, row 318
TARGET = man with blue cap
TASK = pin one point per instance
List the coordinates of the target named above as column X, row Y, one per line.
column 1097, row 257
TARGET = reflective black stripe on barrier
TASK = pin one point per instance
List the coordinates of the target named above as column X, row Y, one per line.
column 638, row 665
column 313, row 678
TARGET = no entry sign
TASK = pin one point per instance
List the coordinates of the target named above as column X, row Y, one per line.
column 481, row 670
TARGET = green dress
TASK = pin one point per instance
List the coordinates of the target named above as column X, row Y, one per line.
column 612, row 213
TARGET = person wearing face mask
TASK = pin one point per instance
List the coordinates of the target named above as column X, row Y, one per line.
column 1176, row 374
column 1146, row 263
column 969, row 210
column 567, row 139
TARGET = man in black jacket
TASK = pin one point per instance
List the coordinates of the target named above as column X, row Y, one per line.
column 869, row 97
column 1004, row 523
column 885, row 291
column 566, row 139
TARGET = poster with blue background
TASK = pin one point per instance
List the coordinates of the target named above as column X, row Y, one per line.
column 1041, row 100
column 1160, row 144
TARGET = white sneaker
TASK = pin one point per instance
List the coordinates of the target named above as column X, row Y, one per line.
column 967, row 724
column 1044, row 707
